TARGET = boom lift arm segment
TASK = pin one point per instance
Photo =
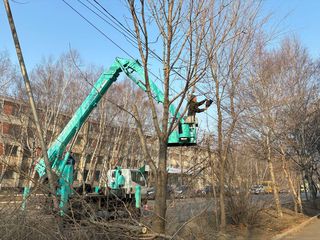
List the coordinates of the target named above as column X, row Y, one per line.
column 62, row 166
column 106, row 79
column 58, row 147
column 185, row 134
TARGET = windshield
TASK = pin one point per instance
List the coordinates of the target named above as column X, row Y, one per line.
column 137, row 177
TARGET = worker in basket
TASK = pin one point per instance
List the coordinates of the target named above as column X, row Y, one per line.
column 194, row 107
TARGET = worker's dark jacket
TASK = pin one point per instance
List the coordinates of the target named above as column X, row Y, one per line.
column 194, row 107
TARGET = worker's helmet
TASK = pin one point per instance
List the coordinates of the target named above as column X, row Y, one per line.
column 192, row 96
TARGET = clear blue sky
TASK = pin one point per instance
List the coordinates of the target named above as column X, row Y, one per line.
column 48, row 27
column 297, row 17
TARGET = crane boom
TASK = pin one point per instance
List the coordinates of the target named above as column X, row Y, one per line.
column 185, row 134
column 106, row 79
column 99, row 89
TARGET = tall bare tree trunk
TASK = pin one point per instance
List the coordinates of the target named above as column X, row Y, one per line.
column 297, row 202
column 305, row 187
column 273, row 179
column 223, row 221
column 181, row 166
column 82, row 160
column 181, row 27
column 221, row 158
column 161, row 193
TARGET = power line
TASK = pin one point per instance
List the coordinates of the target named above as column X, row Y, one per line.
column 133, row 35
column 112, row 23
column 117, row 45
column 152, row 52
column 129, row 31
column 120, row 23
column 134, row 42
column 100, row 31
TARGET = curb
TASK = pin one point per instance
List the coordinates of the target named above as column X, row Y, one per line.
column 294, row 229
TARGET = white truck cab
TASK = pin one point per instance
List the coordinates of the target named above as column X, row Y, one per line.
column 133, row 177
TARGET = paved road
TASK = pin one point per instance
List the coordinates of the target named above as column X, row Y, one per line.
column 309, row 232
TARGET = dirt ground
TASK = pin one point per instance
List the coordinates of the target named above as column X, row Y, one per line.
column 267, row 224
column 197, row 221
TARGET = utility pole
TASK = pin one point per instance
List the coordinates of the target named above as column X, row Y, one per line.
column 32, row 104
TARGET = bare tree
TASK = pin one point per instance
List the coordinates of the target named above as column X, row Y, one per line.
column 233, row 28
column 264, row 90
column 298, row 110
column 281, row 86
column 180, row 32
column 117, row 138
column 8, row 74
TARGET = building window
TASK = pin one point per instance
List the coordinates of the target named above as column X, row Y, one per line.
column 78, row 140
column 11, row 150
column 85, row 174
column 8, row 174
column 49, row 135
column 31, row 132
column 11, row 108
column 100, row 160
column 11, row 129
column 76, row 156
column 27, row 153
column 96, row 175
column 15, row 130
column 92, row 142
column 16, row 111
column 88, row 158
column 93, row 127
column 25, row 166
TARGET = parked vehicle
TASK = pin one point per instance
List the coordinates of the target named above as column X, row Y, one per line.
column 229, row 190
column 267, row 187
column 257, row 189
column 132, row 178
column 181, row 191
column 302, row 189
column 207, row 190
column 264, row 188
column 151, row 192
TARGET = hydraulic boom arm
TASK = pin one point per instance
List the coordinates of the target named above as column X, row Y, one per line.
column 182, row 136
column 185, row 134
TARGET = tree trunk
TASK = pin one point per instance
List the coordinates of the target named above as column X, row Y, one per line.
column 83, row 153
column 299, row 191
column 181, row 166
column 273, row 179
column 292, row 189
column 161, row 193
column 305, row 188
column 297, row 203
column 223, row 221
